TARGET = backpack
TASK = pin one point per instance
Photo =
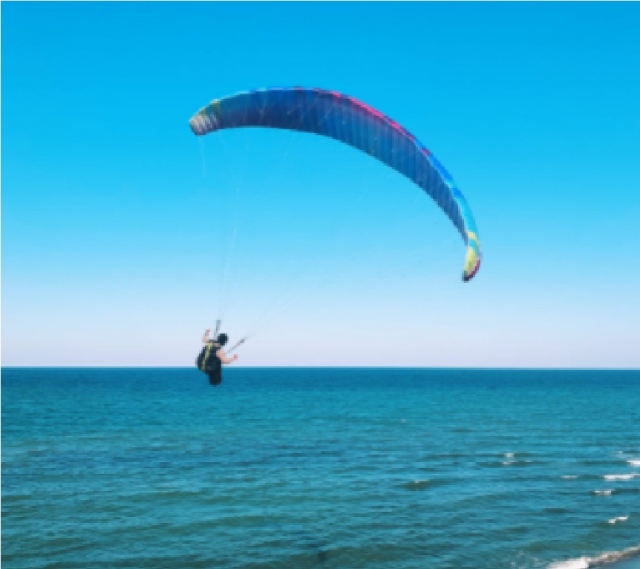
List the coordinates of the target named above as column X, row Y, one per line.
column 207, row 360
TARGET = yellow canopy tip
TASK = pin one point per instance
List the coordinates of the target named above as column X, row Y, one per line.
column 471, row 263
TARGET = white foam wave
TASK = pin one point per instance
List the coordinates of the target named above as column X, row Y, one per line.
column 509, row 454
column 603, row 492
column 588, row 562
column 633, row 462
column 579, row 563
column 618, row 519
column 569, row 477
column 621, row 476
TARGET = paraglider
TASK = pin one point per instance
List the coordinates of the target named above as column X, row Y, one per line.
column 212, row 357
column 338, row 116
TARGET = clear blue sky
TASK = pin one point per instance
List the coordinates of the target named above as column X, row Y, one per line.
column 124, row 236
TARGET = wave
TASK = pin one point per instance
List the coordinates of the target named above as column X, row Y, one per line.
column 618, row 519
column 418, row 484
column 598, row 561
column 579, row 563
column 621, row 476
column 602, row 492
column 633, row 462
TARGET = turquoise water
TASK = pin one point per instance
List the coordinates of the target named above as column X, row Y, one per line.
column 323, row 468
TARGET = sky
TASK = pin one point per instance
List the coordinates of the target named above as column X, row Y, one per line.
column 124, row 236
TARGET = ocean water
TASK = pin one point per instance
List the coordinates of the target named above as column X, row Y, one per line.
column 320, row 468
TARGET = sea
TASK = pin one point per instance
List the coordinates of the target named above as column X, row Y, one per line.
column 320, row 468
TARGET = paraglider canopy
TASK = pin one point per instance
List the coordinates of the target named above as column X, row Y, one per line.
column 352, row 122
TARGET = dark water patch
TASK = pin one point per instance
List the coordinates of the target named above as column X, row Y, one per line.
column 627, row 490
column 508, row 462
column 556, row 510
column 421, row 484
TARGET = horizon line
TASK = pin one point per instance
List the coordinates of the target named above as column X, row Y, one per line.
column 479, row 368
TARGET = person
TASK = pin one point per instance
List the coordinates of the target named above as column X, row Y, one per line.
column 212, row 357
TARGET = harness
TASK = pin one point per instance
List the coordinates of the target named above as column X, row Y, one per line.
column 208, row 357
